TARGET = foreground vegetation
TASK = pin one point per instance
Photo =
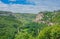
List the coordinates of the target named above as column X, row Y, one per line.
column 22, row 26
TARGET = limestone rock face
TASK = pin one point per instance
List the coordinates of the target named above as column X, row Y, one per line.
column 39, row 17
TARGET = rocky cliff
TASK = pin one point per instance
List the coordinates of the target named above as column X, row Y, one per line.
column 47, row 17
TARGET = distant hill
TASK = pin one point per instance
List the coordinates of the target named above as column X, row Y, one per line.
column 20, row 16
column 5, row 13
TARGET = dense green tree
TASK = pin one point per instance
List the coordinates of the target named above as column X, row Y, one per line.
column 52, row 32
column 30, row 30
column 23, row 35
column 8, row 27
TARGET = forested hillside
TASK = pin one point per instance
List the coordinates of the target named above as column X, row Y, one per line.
column 25, row 17
column 44, row 25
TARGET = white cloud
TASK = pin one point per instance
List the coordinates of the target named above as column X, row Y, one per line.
column 3, row 6
column 21, row 8
column 26, row 8
column 12, row 0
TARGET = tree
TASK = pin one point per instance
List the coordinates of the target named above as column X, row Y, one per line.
column 52, row 32
column 8, row 27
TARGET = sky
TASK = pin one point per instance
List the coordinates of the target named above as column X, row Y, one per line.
column 29, row 6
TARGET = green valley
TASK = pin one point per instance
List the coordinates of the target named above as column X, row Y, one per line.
column 44, row 25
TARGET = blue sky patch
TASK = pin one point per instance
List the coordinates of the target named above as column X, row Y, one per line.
column 18, row 2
